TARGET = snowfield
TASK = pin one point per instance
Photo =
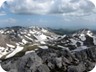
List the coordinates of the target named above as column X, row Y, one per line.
column 1, row 69
column 94, row 70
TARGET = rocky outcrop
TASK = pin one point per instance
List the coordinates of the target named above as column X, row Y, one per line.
column 53, row 60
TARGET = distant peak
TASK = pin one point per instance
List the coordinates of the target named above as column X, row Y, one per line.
column 84, row 32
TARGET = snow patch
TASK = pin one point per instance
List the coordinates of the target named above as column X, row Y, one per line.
column 29, row 34
column 1, row 31
column 63, row 47
column 41, row 37
column 9, row 45
column 81, row 48
column 74, row 42
column 27, row 52
column 89, row 33
column 63, row 36
column 18, row 49
column 43, row 47
column 82, row 37
column 42, row 42
column 94, row 40
column 5, row 51
column 24, row 41
column 43, row 30
column 28, row 38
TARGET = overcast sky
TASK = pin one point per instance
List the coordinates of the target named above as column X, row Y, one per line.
column 71, row 14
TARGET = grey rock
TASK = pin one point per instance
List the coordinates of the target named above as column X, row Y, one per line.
column 67, row 58
column 43, row 68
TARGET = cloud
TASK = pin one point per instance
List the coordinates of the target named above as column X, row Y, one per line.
column 1, row 2
column 2, row 13
column 29, row 6
column 8, row 21
column 94, row 2
column 73, row 7
column 65, row 7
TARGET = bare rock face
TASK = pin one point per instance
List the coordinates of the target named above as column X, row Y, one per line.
column 28, row 63
column 53, row 60
column 2, row 41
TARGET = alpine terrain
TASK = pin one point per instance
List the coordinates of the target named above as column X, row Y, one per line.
column 35, row 49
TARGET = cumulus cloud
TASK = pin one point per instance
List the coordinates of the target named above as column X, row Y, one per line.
column 65, row 7
column 73, row 7
column 29, row 6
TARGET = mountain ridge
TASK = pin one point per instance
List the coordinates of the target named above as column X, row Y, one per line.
column 46, row 51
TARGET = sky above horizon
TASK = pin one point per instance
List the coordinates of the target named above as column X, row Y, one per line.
column 71, row 14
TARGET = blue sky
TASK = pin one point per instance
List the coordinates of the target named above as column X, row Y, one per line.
column 71, row 14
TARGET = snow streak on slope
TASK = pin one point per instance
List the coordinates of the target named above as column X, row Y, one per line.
column 13, row 39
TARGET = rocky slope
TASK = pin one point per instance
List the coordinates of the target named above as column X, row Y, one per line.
column 16, row 39
column 36, row 49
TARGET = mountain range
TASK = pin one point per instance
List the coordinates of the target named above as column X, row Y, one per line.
column 45, row 51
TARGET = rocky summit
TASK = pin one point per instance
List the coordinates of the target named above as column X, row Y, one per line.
column 36, row 49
